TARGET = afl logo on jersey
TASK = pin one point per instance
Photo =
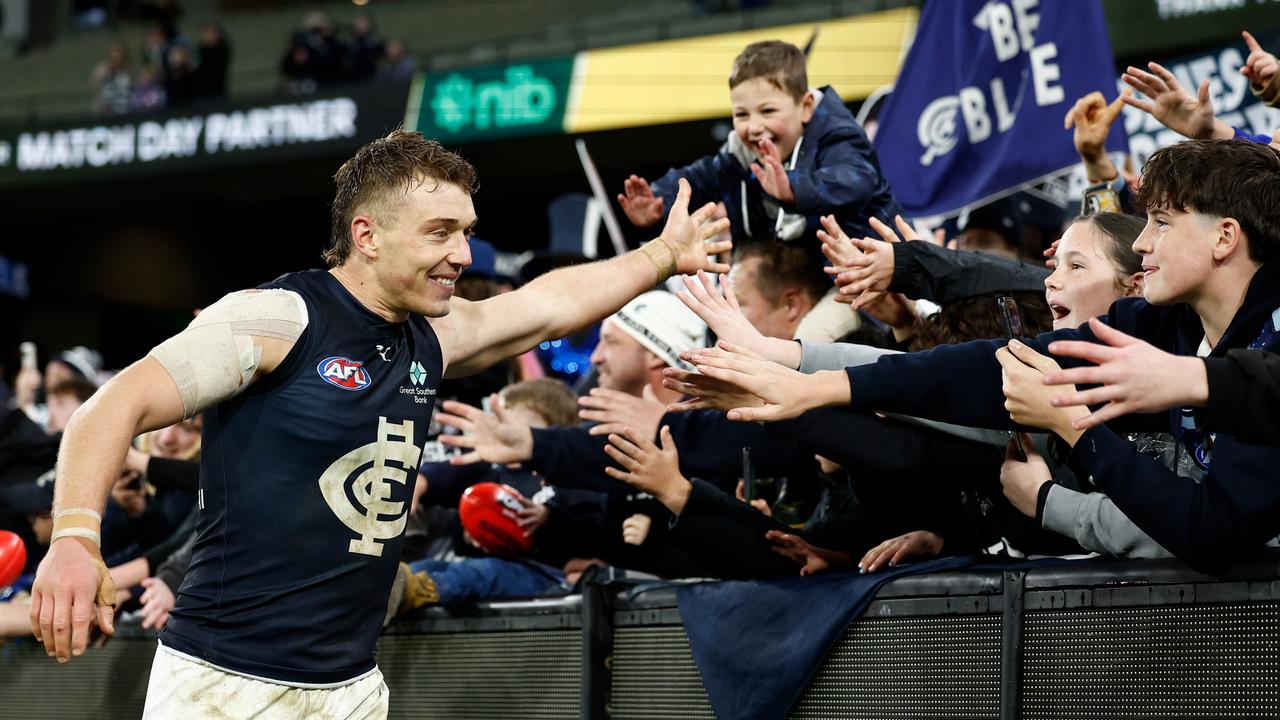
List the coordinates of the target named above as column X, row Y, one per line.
column 344, row 373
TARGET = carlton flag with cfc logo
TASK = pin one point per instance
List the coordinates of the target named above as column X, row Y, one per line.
column 978, row 107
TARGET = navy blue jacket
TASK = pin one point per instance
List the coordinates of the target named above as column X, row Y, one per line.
column 1232, row 511
column 836, row 172
column 710, row 448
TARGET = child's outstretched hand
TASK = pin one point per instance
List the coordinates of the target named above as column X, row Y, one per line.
column 642, row 207
column 772, row 176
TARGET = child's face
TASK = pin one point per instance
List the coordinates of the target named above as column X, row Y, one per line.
column 1084, row 281
column 763, row 111
column 1177, row 250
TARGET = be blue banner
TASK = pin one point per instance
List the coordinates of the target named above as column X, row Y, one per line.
column 978, row 107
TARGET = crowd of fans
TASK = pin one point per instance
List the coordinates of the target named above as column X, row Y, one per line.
column 886, row 397
column 172, row 69
column 169, row 71
column 320, row 54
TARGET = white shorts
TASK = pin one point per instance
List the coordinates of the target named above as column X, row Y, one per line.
column 183, row 687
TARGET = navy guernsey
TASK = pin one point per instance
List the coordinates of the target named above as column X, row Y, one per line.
column 305, row 483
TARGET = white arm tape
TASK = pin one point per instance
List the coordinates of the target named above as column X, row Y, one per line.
column 216, row 356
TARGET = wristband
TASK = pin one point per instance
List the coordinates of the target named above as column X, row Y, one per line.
column 663, row 259
column 78, row 511
column 86, row 533
column 77, row 522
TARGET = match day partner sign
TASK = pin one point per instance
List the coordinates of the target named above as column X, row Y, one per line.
column 978, row 107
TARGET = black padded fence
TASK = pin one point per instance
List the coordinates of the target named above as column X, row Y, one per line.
column 1092, row 640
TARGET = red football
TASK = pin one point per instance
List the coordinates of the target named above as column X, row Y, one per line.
column 488, row 513
column 13, row 557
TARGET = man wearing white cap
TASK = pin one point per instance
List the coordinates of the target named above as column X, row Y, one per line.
column 645, row 336
column 636, row 344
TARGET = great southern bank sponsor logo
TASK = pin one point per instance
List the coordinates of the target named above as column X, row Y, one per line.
column 343, row 372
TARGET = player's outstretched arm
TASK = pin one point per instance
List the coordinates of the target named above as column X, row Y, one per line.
column 208, row 362
column 477, row 335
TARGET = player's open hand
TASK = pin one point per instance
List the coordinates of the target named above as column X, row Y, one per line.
column 691, row 236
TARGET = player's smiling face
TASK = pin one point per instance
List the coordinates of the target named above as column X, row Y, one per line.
column 762, row 110
column 424, row 248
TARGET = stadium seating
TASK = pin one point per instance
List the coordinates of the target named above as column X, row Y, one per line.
column 453, row 34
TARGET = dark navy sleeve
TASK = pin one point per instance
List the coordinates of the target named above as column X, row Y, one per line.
column 569, row 457
column 710, row 448
column 1244, row 395
column 922, row 270
column 704, row 179
column 1229, row 514
column 841, row 177
column 961, row 383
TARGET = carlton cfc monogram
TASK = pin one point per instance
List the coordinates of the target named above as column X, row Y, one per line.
column 369, row 471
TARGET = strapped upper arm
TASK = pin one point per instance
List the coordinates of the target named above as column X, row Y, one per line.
column 243, row 336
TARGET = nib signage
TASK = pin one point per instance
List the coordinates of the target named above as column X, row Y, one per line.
column 493, row 102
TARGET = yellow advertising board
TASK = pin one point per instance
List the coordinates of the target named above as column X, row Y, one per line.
column 682, row 80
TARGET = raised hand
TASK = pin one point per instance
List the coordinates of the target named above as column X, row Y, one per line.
column 691, row 236
column 1136, row 377
column 655, row 469
column 1022, row 479
column 918, row 543
column 771, row 174
column 495, row 438
column 1259, row 67
column 614, row 410
column 811, row 558
column 1092, row 117
column 1171, row 104
column 641, row 206
column 783, row 392
column 705, row 392
column 868, row 276
column 718, row 308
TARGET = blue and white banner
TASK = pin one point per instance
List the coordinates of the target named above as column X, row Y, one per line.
column 978, row 107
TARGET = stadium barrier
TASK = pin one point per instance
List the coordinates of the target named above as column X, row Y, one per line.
column 1090, row 640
